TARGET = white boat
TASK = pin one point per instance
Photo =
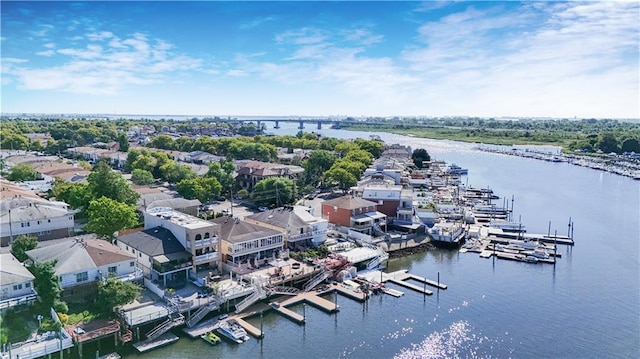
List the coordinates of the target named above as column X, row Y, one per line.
column 507, row 226
column 456, row 170
column 233, row 330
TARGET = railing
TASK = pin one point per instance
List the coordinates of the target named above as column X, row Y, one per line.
column 131, row 276
column 258, row 294
column 207, row 257
column 39, row 348
column 306, row 235
column 317, row 279
column 25, row 299
column 361, row 225
column 202, row 311
column 174, row 320
column 205, row 242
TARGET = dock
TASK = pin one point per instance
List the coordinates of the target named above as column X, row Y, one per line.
column 252, row 330
column 411, row 286
column 393, row 292
column 164, row 339
column 202, row 328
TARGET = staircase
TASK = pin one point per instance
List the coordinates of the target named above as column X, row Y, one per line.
column 126, row 337
column 282, row 290
column 202, row 311
column 258, row 294
column 319, row 278
column 174, row 320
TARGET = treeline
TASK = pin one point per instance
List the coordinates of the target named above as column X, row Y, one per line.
column 587, row 135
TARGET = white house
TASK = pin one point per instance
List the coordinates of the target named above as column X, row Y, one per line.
column 83, row 261
column 16, row 283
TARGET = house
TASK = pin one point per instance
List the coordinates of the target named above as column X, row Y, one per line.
column 244, row 243
column 197, row 236
column 201, row 157
column 16, row 283
column 381, row 190
column 354, row 212
column 160, row 256
column 187, row 206
column 300, row 228
column 251, row 172
column 81, row 262
column 31, row 215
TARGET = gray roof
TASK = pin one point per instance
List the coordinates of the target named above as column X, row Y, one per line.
column 12, row 271
column 75, row 255
column 283, row 217
column 235, row 230
column 153, row 241
column 30, row 209
column 175, row 203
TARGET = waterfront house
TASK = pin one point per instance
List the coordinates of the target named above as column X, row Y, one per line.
column 16, row 283
column 248, row 244
column 355, row 213
column 160, row 256
column 23, row 212
column 197, row 236
column 300, row 228
column 81, row 262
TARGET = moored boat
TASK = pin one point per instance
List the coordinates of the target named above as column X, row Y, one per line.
column 211, row 338
column 233, row 330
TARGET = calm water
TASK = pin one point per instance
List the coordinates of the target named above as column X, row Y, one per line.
column 587, row 306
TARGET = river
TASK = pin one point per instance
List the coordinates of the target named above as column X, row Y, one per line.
column 586, row 306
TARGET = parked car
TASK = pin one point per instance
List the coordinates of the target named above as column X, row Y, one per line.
column 263, row 209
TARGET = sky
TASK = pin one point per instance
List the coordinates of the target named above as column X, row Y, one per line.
column 352, row 58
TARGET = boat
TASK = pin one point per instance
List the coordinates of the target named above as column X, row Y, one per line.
column 508, row 226
column 447, row 234
column 456, row 170
column 211, row 338
column 233, row 330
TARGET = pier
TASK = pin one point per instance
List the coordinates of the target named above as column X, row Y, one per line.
column 149, row 344
column 400, row 278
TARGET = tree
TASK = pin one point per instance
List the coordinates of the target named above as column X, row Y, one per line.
column 113, row 293
column 141, row 177
column 202, row 188
column 46, row 283
column 607, row 142
column 107, row 216
column 21, row 244
column 343, row 178
column 318, row 162
column 174, row 172
column 103, row 181
column 77, row 195
column 630, row 145
column 274, row 191
column 22, row 172
column 223, row 172
column 123, row 142
column 420, row 156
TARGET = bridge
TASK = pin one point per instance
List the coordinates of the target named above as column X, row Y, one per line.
column 302, row 121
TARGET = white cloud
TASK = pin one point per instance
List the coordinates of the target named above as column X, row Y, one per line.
column 97, row 69
column 45, row 53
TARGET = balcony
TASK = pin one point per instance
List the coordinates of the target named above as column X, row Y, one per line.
column 15, row 301
column 307, row 235
column 208, row 257
column 205, row 242
column 361, row 225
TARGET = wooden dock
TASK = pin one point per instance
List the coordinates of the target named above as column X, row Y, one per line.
column 411, row 286
column 164, row 339
column 252, row 330
column 393, row 292
column 202, row 328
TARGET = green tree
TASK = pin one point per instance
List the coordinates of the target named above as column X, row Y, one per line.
column 21, row 244
column 141, row 177
column 223, row 173
column 77, row 195
column 46, row 283
column 164, row 142
column 175, row 172
column 341, row 177
column 103, row 181
column 123, row 142
column 608, row 143
column 22, row 172
column 274, row 191
column 630, row 145
column 113, row 293
column 202, row 188
column 107, row 216
column 318, row 162
column 419, row 156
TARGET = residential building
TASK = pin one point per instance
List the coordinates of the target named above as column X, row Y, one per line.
column 32, row 215
column 356, row 213
column 187, row 206
column 160, row 256
column 251, row 172
column 244, row 243
column 16, row 283
column 300, row 228
column 81, row 262
column 197, row 236
column 382, row 191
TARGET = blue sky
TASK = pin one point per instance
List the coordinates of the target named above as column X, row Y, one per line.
column 466, row 58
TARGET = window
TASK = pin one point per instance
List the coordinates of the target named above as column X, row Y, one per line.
column 140, row 254
column 131, row 264
column 112, row 270
column 48, row 221
column 198, row 237
column 27, row 285
column 206, row 235
column 17, row 287
column 82, row 277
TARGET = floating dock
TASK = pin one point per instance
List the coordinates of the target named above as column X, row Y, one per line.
column 252, row 330
column 400, row 278
column 164, row 339
column 411, row 286
column 202, row 328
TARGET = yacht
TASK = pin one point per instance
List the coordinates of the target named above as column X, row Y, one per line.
column 456, row 170
column 233, row 330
